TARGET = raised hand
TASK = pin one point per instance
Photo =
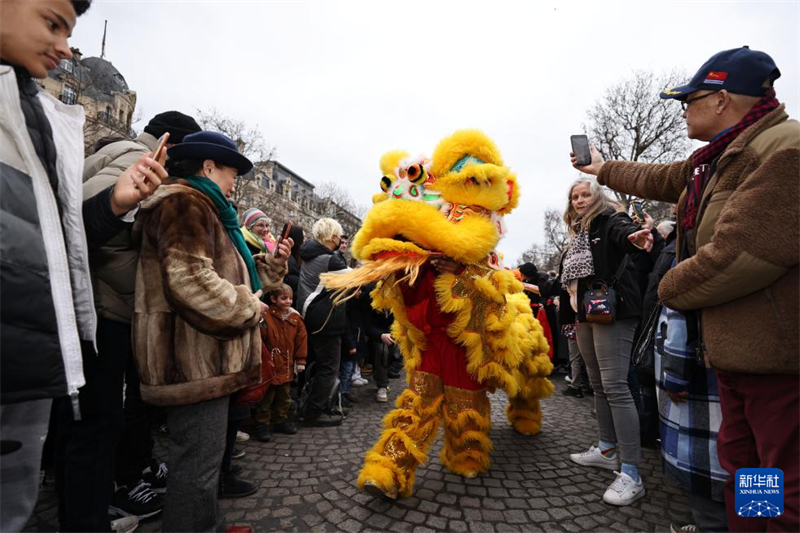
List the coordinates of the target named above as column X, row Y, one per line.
column 593, row 167
column 284, row 250
column 642, row 239
column 138, row 182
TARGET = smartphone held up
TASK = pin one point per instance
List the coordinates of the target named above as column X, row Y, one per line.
column 162, row 143
column 283, row 235
column 580, row 149
column 638, row 213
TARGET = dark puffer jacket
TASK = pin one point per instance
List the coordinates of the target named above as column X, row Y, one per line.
column 313, row 300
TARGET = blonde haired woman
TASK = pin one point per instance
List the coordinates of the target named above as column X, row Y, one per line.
column 601, row 237
column 325, row 322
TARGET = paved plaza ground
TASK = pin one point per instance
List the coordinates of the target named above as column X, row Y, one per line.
column 307, row 481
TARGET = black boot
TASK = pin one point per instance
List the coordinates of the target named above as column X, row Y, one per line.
column 261, row 433
column 285, row 427
column 231, row 486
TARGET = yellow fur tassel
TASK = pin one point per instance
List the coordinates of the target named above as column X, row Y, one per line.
column 413, row 425
column 467, row 463
column 525, row 414
column 373, row 271
column 381, row 472
column 466, row 420
column 466, row 442
column 471, row 439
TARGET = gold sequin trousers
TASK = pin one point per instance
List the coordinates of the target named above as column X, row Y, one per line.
column 410, row 430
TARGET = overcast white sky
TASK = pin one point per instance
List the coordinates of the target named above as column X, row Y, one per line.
column 334, row 84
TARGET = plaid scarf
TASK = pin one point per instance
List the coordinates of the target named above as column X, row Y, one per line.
column 702, row 159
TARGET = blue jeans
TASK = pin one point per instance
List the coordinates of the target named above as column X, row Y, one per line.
column 346, row 374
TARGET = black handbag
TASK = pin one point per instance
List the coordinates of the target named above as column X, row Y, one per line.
column 600, row 301
column 643, row 355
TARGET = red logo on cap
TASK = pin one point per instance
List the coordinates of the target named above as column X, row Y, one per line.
column 721, row 76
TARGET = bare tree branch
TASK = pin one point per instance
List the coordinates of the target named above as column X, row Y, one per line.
column 630, row 122
column 250, row 142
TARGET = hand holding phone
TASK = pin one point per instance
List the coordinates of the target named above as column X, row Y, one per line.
column 284, row 235
column 580, row 149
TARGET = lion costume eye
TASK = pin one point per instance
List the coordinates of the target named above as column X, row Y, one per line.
column 386, row 183
column 415, row 174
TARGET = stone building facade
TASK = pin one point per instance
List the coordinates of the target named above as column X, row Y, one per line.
column 284, row 195
column 101, row 89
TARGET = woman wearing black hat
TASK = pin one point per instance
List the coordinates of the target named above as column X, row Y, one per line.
column 195, row 327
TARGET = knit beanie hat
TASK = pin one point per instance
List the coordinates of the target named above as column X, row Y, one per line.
column 528, row 270
column 251, row 216
column 176, row 123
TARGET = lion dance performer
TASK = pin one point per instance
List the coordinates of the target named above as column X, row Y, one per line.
column 461, row 334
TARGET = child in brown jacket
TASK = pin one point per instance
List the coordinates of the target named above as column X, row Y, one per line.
column 286, row 340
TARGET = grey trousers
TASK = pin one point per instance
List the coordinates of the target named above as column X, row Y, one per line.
column 606, row 350
column 196, row 444
column 580, row 379
column 22, row 424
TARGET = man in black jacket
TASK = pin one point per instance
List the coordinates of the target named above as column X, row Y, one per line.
column 47, row 313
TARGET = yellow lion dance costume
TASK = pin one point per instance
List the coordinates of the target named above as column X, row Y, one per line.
column 462, row 334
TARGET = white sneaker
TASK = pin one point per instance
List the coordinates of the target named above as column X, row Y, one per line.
column 624, row 490
column 593, row 457
column 383, row 395
column 126, row 524
column 360, row 382
column 241, row 436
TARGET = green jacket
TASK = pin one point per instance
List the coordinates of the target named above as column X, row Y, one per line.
column 742, row 269
column 113, row 265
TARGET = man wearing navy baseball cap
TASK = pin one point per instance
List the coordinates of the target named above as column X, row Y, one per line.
column 737, row 276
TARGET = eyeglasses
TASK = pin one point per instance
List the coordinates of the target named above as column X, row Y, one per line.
column 686, row 103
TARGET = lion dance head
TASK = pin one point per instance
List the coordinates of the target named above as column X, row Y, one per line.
column 451, row 204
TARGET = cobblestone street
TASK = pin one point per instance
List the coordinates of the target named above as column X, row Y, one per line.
column 308, row 481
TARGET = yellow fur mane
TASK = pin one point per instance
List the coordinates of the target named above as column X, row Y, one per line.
column 504, row 343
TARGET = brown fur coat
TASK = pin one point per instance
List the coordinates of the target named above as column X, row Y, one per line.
column 743, row 270
column 195, row 324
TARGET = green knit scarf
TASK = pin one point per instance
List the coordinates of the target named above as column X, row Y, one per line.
column 230, row 221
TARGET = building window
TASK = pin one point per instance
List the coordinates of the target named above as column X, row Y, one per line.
column 68, row 95
column 66, row 64
column 107, row 115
